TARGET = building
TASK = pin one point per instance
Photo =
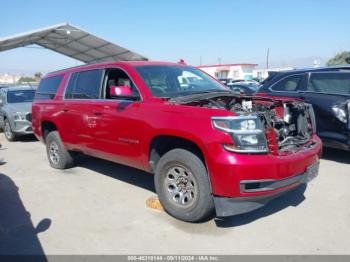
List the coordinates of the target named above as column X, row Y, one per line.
column 261, row 74
column 9, row 79
column 232, row 71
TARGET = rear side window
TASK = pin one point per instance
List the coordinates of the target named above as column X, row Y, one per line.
column 334, row 83
column 84, row 85
column 288, row 84
column 48, row 87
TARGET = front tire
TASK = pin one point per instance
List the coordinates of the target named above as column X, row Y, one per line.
column 182, row 185
column 9, row 135
column 59, row 157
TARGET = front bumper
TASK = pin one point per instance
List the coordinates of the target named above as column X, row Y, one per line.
column 22, row 127
column 225, row 206
column 227, row 170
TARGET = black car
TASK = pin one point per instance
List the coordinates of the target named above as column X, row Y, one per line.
column 327, row 89
column 247, row 88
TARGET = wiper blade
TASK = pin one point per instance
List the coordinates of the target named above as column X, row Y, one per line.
column 201, row 96
column 207, row 91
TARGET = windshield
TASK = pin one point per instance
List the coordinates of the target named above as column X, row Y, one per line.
column 176, row 81
column 20, row 96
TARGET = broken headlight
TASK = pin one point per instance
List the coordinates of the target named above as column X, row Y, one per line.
column 247, row 133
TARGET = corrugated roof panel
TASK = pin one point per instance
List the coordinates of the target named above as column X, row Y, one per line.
column 73, row 42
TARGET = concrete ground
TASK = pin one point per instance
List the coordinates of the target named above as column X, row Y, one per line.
column 99, row 207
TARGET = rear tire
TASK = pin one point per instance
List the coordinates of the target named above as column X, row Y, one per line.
column 9, row 135
column 182, row 185
column 59, row 157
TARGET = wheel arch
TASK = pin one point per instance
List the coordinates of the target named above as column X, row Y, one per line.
column 47, row 127
column 163, row 143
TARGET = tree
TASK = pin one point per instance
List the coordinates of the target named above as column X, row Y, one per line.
column 38, row 76
column 24, row 80
column 340, row 58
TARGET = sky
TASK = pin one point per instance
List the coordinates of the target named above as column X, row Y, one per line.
column 231, row 31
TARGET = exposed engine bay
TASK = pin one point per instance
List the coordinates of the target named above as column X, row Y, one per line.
column 291, row 122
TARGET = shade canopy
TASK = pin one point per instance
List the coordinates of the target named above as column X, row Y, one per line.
column 73, row 42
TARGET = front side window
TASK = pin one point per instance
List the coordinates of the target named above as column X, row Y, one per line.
column 117, row 77
column 176, row 81
column 48, row 87
column 20, row 96
column 84, row 85
column 333, row 83
column 288, row 84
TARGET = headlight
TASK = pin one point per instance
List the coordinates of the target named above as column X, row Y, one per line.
column 247, row 133
column 340, row 113
column 19, row 116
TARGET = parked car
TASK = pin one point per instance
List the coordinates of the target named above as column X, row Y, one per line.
column 327, row 89
column 208, row 147
column 225, row 81
column 247, row 88
column 15, row 111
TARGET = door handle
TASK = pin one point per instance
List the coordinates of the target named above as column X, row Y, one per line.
column 97, row 113
column 65, row 109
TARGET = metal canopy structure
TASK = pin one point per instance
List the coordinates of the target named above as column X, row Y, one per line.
column 73, row 42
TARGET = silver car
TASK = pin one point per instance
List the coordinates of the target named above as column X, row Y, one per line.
column 16, row 111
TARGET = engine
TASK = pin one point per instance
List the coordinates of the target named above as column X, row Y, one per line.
column 292, row 122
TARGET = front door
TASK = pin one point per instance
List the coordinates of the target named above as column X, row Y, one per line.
column 118, row 132
column 289, row 86
column 329, row 92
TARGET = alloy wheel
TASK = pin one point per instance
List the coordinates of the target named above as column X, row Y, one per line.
column 180, row 186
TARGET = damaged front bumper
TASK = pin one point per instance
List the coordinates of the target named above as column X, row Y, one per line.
column 226, row 206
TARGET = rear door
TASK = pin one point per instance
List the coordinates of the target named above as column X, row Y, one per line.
column 327, row 91
column 81, row 94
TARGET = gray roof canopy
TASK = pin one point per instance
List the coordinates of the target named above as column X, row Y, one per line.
column 73, row 42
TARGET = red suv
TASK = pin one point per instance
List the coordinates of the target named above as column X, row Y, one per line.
column 209, row 149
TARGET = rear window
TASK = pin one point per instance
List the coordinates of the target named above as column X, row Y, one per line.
column 334, row 83
column 48, row 87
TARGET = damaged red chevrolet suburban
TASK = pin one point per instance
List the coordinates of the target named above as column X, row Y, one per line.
column 209, row 149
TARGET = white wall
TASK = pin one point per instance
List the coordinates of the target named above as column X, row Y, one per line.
column 9, row 79
column 234, row 71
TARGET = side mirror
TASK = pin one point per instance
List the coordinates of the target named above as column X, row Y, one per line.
column 121, row 92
